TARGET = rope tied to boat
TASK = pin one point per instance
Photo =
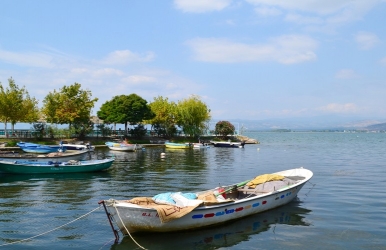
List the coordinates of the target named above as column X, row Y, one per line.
column 127, row 230
column 49, row 231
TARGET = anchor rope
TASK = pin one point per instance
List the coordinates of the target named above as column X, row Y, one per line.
column 49, row 231
column 127, row 229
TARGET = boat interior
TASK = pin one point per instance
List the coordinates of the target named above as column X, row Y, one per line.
column 236, row 193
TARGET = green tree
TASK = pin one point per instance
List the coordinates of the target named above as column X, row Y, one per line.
column 40, row 129
column 16, row 105
column 82, row 128
column 71, row 105
column 193, row 116
column 104, row 129
column 224, row 128
column 164, row 121
column 125, row 109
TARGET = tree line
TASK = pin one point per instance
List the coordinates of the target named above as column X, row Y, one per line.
column 72, row 105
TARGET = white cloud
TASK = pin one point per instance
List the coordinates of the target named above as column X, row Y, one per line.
column 346, row 74
column 366, row 40
column 29, row 59
column 106, row 72
column 126, row 56
column 339, row 108
column 95, row 72
column 200, row 6
column 320, row 15
column 383, row 60
column 139, row 79
column 105, row 78
column 323, row 7
column 287, row 49
column 299, row 19
column 79, row 70
column 268, row 11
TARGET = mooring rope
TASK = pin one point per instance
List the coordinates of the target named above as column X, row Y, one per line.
column 127, row 229
column 19, row 241
column 309, row 191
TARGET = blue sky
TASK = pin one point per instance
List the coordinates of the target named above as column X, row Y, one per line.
column 246, row 59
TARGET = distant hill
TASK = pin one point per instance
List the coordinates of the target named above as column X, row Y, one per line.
column 377, row 127
column 311, row 123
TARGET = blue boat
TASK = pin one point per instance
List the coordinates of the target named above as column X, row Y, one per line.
column 39, row 148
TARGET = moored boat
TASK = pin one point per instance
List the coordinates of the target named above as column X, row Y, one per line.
column 39, row 148
column 199, row 145
column 77, row 146
column 228, row 144
column 56, row 156
column 206, row 208
column 54, row 167
column 174, row 145
column 121, row 146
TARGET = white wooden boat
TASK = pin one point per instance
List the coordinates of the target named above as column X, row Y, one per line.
column 121, row 146
column 143, row 214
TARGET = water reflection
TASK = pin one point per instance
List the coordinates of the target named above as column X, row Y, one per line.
column 229, row 234
column 147, row 173
column 11, row 178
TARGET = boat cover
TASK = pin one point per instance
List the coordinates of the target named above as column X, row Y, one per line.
column 264, row 178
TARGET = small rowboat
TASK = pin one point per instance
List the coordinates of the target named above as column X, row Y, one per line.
column 210, row 207
column 56, row 156
column 121, row 146
column 228, row 144
column 178, row 145
column 54, row 167
column 39, row 148
column 200, row 146
column 77, row 146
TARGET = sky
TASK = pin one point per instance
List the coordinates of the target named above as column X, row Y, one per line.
column 245, row 59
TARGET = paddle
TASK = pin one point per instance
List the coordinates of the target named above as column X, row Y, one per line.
column 229, row 189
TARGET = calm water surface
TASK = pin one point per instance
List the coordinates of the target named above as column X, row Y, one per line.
column 342, row 207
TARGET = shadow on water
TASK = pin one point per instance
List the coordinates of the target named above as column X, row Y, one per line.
column 226, row 235
column 10, row 178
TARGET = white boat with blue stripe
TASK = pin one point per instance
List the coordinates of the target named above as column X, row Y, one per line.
column 169, row 212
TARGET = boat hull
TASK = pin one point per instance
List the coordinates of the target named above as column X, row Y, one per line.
column 30, row 167
column 133, row 218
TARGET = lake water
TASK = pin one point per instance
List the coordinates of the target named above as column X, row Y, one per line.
column 342, row 207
